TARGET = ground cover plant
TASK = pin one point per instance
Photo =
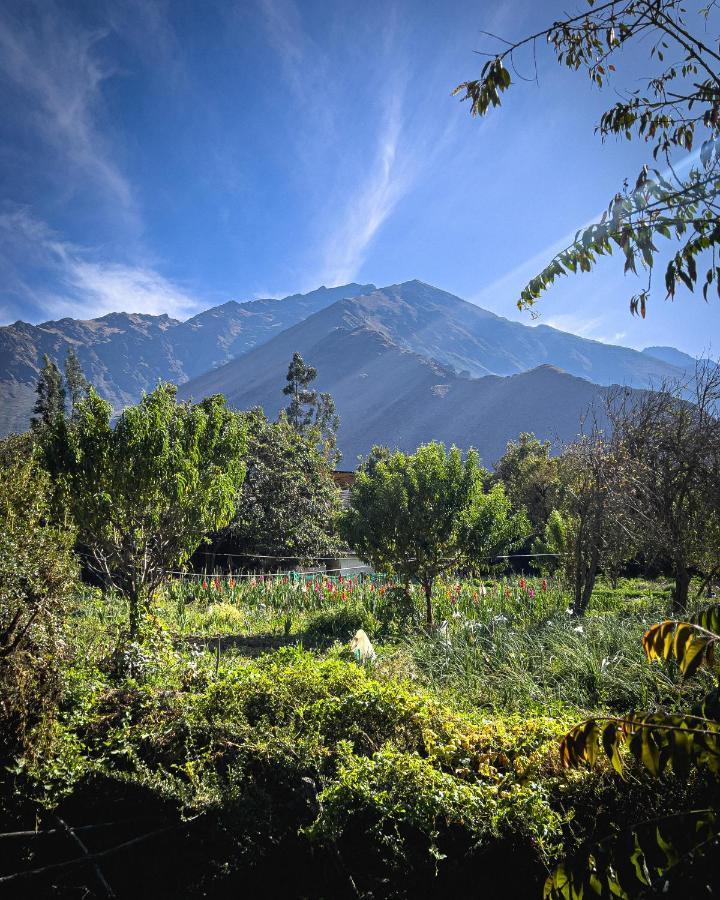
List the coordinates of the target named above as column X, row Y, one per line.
column 404, row 777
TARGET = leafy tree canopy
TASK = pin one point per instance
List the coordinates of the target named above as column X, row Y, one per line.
column 530, row 477
column 50, row 392
column 37, row 574
column 311, row 413
column 289, row 502
column 145, row 493
column 75, row 380
column 421, row 514
column 676, row 109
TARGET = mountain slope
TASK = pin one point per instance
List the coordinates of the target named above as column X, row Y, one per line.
column 125, row 354
column 459, row 334
column 673, row 356
column 391, row 395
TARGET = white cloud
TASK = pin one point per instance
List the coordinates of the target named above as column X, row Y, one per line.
column 99, row 288
column 387, row 181
column 83, row 286
column 56, row 68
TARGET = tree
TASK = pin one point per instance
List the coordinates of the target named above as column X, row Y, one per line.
column 145, row 493
column 588, row 469
column 289, row 503
column 37, row 575
column 76, row 383
column 671, row 483
column 677, row 107
column 529, row 474
column 303, row 398
column 309, row 412
column 50, row 403
column 421, row 514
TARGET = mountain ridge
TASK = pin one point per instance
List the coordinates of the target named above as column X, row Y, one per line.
column 124, row 354
column 392, row 395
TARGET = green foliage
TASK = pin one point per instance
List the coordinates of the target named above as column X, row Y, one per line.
column 692, row 643
column 310, row 413
column 675, row 102
column 50, row 403
column 37, row 574
column 419, row 515
column 529, row 475
column 656, row 740
column 641, row 859
column 339, row 624
column 553, row 544
column 75, row 380
column 512, row 664
column 289, row 503
column 145, row 493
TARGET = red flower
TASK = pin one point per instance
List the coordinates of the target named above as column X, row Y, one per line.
column 204, row 584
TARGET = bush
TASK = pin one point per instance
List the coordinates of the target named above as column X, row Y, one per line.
column 37, row 576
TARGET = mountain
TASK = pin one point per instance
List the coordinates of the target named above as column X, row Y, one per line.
column 675, row 357
column 388, row 394
column 469, row 339
column 124, row 354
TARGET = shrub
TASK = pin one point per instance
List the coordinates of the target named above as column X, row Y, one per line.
column 37, row 575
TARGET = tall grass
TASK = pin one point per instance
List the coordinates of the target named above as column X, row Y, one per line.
column 594, row 664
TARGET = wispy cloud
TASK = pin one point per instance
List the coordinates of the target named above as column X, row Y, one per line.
column 577, row 324
column 364, row 190
column 388, row 179
column 56, row 67
column 76, row 284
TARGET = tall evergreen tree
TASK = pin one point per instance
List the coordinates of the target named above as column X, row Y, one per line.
column 303, row 398
column 310, row 413
column 75, row 381
column 50, row 403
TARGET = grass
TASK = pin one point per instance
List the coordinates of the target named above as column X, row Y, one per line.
column 422, row 770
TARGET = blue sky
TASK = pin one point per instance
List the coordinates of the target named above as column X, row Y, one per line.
column 168, row 156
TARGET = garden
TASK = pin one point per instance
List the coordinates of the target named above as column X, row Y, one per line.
column 536, row 709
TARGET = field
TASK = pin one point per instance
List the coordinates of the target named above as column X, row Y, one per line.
column 248, row 751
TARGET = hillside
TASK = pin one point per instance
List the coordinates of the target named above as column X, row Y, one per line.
column 387, row 394
column 124, row 354
column 673, row 356
column 441, row 326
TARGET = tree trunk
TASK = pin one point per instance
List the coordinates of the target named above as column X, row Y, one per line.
column 427, row 587
column 585, row 585
column 138, row 607
column 682, row 585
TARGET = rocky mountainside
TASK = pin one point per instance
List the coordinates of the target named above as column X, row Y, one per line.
column 391, row 395
column 673, row 356
column 471, row 340
column 124, row 354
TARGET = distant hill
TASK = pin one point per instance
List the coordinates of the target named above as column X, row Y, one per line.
column 124, row 354
column 387, row 394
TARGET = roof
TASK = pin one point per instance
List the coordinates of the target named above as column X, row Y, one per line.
column 343, row 478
